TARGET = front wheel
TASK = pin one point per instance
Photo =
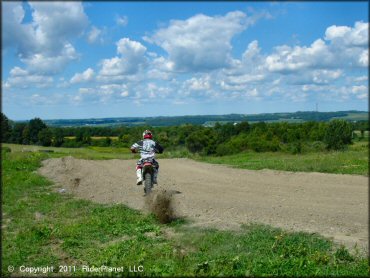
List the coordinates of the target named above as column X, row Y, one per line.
column 148, row 183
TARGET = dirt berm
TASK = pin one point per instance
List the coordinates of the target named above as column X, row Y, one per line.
column 332, row 205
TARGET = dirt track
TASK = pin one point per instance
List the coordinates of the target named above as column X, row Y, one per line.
column 335, row 206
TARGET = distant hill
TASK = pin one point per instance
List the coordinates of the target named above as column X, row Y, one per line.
column 210, row 120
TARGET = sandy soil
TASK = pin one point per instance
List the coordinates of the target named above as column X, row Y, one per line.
column 332, row 205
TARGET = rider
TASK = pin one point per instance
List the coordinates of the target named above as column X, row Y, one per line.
column 147, row 148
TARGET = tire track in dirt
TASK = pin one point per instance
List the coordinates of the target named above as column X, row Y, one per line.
column 218, row 196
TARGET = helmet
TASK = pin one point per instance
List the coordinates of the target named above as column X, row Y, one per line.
column 147, row 134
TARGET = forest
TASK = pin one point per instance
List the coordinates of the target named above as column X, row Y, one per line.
column 220, row 139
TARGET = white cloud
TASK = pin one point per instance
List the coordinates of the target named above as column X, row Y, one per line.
column 253, row 93
column 198, row 84
column 44, row 43
column 346, row 47
column 20, row 78
column 131, row 60
column 49, row 65
column 287, row 59
column 85, row 90
column 86, row 76
column 359, row 89
column 325, row 76
column 252, row 52
column 348, row 36
column 361, row 78
column 13, row 33
column 201, row 42
column 246, row 78
column 124, row 94
column 57, row 22
column 125, row 46
column 94, row 34
column 364, row 58
column 122, row 20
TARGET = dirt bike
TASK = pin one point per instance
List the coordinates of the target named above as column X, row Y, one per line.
column 147, row 173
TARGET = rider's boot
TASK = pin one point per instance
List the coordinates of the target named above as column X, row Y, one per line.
column 155, row 175
column 139, row 179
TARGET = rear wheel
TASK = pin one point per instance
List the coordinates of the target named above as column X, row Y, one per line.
column 148, row 183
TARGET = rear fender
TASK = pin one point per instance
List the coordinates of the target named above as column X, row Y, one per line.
column 147, row 168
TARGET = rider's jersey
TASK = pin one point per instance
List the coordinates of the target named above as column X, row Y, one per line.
column 147, row 148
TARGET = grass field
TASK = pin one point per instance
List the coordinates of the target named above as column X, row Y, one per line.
column 355, row 117
column 86, row 153
column 94, row 137
column 43, row 228
column 354, row 160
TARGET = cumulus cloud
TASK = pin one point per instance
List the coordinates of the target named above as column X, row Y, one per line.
column 130, row 60
column 14, row 34
column 41, row 63
column 46, row 39
column 344, row 47
column 361, row 78
column 251, row 53
column 101, row 94
column 198, row 84
column 364, row 58
column 94, row 34
column 348, row 36
column 21, row 78
column 86, row 76
column 121, row 20
column 198, row 64
column 325, row 76
column 246, row 78
column 201, row 42
column 288, row 59
column 359, row 89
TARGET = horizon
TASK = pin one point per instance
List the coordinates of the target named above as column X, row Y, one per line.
column 189, row 115
column 145, row 59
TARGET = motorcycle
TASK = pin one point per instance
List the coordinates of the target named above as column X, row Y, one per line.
column 147, row 173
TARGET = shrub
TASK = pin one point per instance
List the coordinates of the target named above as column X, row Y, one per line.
column 6, row 149
column 202, row 141
column 45, row 137
column 260, row 144
column 338, row 134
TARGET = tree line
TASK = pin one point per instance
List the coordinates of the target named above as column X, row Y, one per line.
column 222, row 139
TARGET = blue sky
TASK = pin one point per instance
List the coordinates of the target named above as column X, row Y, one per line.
column 120, row 59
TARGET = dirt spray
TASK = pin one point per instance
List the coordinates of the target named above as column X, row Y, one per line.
column 160, row 203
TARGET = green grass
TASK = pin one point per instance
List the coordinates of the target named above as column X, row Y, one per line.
column 354, row 160
column 355, row 117
column 92, row 152
column 84, row 153
column 45, row 228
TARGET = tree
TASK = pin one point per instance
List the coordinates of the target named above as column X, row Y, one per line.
column 16, row 135
column 338, row 134
column 107, row 141
column 242, row 127
column 35, row 126
column 5, row 129
column 58, row 137
column 202, row 141
column 45, row 137
column 26, row 135
column 86, row 138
